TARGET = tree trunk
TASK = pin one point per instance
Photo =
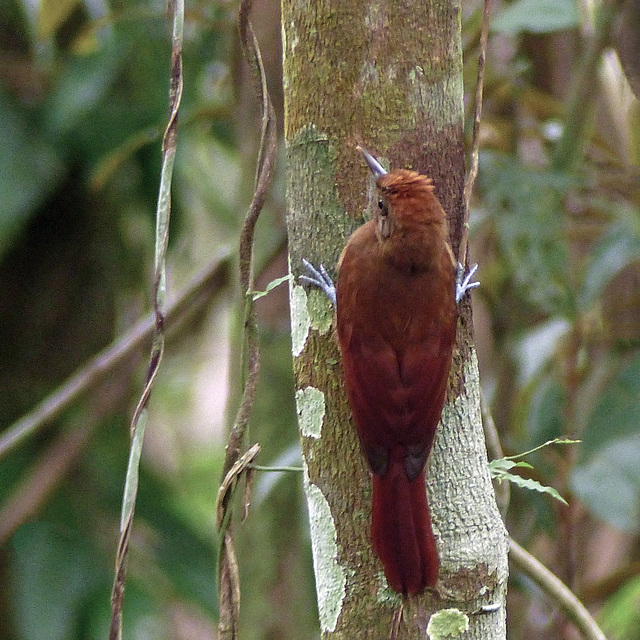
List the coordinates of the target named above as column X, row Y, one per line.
column 387, row 75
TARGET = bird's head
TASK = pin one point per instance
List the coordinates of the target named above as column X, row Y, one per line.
column 405, row 199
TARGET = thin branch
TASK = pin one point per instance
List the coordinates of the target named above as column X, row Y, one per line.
column 285, row 469
column 557, row 591
column 266, row 164
column 227, row 566
column 113, row 368
column 494, row 447
column 190, row 299
column 475, row 139
column 138, row 422
column 495, row 452
column 51, row 466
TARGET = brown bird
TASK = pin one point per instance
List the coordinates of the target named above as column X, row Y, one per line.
column 396, row 321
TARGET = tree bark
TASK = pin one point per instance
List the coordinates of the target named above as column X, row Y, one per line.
column 387, row 75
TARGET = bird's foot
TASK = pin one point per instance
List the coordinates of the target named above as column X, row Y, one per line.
column 321, row 279
column 464, row 283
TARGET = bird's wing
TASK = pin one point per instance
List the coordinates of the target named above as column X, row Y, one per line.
column 396, row 394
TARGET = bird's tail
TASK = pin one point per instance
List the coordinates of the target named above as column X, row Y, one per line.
column 401, row 531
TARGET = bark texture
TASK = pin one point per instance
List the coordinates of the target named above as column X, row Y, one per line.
column 387, row 75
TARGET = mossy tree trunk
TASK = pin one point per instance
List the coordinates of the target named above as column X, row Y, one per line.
column 387, row 75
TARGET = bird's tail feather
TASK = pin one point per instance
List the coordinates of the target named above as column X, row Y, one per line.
column 401, row 531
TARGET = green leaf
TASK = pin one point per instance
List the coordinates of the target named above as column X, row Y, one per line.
column 530, row 224
column 499, row 470
column 502, row 465
column 536, row 16
column 607, row 478
column 83, row 84
column 272, row 285
column 31, row 169
column 184, row 548
column 523, row 465
column 620, row 616
column 544, row 413
column 617, row 414
column 53, row 575
column 536, row 348
column 618, row 247
column 531, row 484
column 608, row 483
column 53, row 14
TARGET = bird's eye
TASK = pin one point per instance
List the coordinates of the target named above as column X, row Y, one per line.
column 380, row 204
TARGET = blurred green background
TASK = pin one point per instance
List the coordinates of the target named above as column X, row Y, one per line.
column 555, row 228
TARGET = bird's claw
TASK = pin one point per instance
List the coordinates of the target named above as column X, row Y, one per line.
column 319, row 278
column 464, row 283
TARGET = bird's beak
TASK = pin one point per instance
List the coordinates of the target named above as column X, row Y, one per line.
column 376, row 168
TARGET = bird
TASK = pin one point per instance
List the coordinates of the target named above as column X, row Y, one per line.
column 396, row 316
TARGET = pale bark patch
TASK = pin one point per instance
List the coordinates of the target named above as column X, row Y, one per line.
column 310, row 406
column 331, row 579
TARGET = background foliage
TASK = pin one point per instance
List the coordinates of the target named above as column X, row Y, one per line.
column 555, row 227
